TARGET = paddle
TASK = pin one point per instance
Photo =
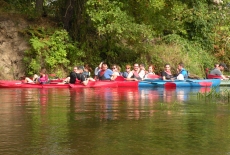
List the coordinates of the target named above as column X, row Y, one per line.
column 170, row 85
column 205, row 84
column 202, row 83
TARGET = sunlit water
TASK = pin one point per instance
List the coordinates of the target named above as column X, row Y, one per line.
column 113, row 121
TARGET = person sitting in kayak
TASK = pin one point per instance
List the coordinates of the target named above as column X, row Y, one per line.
column 66, row 81
column 97, row 70
column 105, row 73
column 136, row 74
column 43, row 78
column 116, row 72
column 150, row 71
column 87, row 71
column 127, row 71
column 142, row 67
column 77, row 75
column 182, row 73
column 167, row 74
column 218, row 71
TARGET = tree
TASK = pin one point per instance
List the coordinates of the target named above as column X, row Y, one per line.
column 39, row 7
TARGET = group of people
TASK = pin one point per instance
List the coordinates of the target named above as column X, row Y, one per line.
column 81, row 74
column 138, row 73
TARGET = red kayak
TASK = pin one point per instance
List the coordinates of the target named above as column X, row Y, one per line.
column 91, row 84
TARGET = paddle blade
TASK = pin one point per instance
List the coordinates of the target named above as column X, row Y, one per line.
column 170, row 85
column 205, row 84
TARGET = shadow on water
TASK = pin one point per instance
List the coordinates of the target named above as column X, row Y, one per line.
column 112, row 121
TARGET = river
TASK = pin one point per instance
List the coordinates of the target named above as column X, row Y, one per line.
column 113, row 121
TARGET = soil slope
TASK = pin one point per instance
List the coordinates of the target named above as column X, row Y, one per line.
column 12, row 46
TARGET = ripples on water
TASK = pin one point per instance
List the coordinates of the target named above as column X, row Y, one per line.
column 112, row 121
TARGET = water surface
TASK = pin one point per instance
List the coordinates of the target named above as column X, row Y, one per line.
column 112, row 121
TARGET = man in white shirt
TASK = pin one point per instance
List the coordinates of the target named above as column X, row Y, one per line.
column 136, row 74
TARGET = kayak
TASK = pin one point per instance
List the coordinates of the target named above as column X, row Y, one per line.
column 55, row 84
column 93, row 84
column 185, row 83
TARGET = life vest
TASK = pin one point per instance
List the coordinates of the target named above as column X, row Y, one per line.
column 43, row 79
column 101, row 75
column 136, row 75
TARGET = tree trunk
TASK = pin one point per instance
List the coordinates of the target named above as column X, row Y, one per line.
column 39, row 7
column 68, row 14
column 74, row 19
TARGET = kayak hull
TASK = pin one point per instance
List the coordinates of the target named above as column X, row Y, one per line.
column 91, row 84
column 186, row 83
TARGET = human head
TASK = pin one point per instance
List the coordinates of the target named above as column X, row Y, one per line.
column 43, row 71
column 127, row 68
column 104, row 66
column 167, row 67
column 80, row 69
column 151, row 68
column 222, row 66
column 114, row 67
column 75, row 69
column 87, row 68
column 180, row 65
column 142, row 66
column 136, row 66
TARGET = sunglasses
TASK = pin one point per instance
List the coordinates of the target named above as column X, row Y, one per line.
column 136, row 66
column 114, row 68
column 127, row 68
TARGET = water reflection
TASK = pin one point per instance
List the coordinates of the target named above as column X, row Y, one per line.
column 112, row 121
column 112, row 103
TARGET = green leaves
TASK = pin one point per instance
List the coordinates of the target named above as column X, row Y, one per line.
column 110, row 18
column 50, row 50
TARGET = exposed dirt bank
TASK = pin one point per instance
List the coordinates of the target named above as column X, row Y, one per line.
column 12, row 46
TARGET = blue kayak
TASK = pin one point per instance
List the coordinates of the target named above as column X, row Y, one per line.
column 180, row 83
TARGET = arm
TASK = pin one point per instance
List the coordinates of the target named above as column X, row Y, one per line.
column 129, row 77
column 85, row 82
column 163, row 74
column 82, row 78
column 114, row 76
column 224, row 77
column 142, row 74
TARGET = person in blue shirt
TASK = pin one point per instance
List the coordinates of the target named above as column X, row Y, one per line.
column 105, row 73
column 182, row 73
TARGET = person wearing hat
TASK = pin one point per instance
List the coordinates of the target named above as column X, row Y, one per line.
column 77, row 75
column 218, row 71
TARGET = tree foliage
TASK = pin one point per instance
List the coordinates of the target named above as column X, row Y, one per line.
column 126, row 31
column 52, row 50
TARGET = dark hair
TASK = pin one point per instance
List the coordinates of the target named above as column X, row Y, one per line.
column 88, row 67
column 142, row 65
column 166, row 65
column 181, row 64
column 80, row 68
column 104, row 63
column 43, row 71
